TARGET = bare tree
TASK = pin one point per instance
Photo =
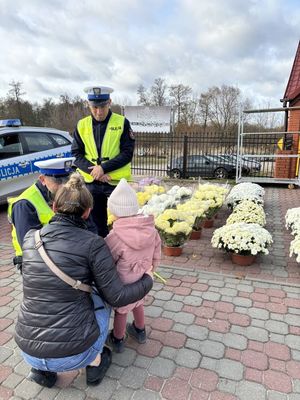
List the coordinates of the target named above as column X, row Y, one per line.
column 158, row 92
column 179, row 98
column 204, row 103
column 16, row 93
column 143, row 96
column 220, row 107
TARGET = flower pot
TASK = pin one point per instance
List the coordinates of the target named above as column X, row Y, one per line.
column 172, row 251
column 208, row 223
column 242, row 260
column 195, row 235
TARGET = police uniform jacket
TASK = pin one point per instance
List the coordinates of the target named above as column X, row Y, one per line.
column 25, row 216
column 56, row 320
column 99, row 128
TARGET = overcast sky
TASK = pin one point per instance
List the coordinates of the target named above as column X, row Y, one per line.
column 62, row 46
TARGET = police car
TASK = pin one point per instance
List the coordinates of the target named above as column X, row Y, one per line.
column 20, row 147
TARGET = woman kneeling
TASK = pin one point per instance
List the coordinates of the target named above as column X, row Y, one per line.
column 60, row 327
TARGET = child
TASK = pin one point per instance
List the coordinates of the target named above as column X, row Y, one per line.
column 135, row 246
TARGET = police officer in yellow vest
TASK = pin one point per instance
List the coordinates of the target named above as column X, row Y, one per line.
column 32, row 208
column 103, row 146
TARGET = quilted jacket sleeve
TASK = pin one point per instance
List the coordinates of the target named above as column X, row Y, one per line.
column 108, row 282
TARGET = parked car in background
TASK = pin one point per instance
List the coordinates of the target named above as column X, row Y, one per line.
column 20, row 147
column 206, row 166
column 247, row 162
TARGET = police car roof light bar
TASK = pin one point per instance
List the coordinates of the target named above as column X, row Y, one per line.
column 6, row 123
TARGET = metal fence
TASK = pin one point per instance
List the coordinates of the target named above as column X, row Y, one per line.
column 205, row 155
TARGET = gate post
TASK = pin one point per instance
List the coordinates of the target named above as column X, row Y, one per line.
column 185, row 151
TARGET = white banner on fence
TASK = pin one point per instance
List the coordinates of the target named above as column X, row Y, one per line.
column 152, row 119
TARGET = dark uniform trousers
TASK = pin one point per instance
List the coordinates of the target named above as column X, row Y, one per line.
column 100, row 192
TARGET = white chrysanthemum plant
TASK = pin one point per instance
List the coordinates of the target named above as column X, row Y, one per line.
column 241, row 238
column 180, row 193
column 249, row 188
column 247, row 212
column 197, row 210
column 158, row 203
column 295, row 248
column 174, row 227
column 292, row 219
column 245, row 191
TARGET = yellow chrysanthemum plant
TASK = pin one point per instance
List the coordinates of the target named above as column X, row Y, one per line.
column 110, row 219
column 213, row 194
column 147, row 191
column 196, row 210
column 174, row 227
column 143, row 198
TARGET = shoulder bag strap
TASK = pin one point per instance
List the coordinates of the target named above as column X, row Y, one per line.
column 54, row 268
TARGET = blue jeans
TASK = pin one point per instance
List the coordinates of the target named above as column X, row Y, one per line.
column 79, row 360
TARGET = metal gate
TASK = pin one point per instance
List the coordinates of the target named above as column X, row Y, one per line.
column 274, row 149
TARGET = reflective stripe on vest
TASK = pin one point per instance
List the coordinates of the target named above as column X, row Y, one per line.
column 110, row 146
column 44, row 212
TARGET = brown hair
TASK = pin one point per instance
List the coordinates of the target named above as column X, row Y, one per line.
column 73, row 197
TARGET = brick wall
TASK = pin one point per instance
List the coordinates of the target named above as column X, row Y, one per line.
column 287, row 167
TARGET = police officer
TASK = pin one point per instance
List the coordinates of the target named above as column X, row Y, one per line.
column 32, row 208
column 103, row 146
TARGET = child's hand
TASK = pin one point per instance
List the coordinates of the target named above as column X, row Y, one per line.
column 150, row 273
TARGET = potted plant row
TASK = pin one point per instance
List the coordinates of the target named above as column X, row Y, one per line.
column 292, row 219
column 243, row 236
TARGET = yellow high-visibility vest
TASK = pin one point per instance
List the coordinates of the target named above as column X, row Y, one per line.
column 110, row 146
column 44, row 212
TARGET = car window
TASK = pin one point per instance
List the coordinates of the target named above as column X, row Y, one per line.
column 37, row 142
column 10, row 146
column 59, row 139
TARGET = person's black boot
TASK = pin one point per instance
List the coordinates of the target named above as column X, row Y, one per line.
column 138, row 334
column 43, row 378
column 94, row 375
column 118, row 345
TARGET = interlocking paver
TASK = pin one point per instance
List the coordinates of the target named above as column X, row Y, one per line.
column 28, row 390
column 277, row 327
column 197, row 332
column 230, row 369
column 133, row 377
column 176, row 389
column 254, row 359
column 145, row 395
column 161, row 367
column 250, row 391
column 122, row 393
column 212, row 349
column 278, row 381
column 188, row 358
column 258, row 334
column 235, row 341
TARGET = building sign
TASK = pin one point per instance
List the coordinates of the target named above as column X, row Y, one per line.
column 151, row 119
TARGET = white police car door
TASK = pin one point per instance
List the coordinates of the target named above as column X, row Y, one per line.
column 44, row 145
column 14, row 165
column 18, row 152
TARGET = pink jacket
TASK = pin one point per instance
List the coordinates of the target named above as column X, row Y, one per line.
column 135, row 246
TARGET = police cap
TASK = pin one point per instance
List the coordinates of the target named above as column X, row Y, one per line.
column 98, row 96
column 56, row 167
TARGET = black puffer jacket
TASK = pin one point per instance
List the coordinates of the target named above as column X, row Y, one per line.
column 56, row 320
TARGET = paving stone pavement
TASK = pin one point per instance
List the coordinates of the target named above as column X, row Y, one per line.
column 211, row 335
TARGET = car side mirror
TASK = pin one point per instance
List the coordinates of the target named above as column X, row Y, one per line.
column 207, row 162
